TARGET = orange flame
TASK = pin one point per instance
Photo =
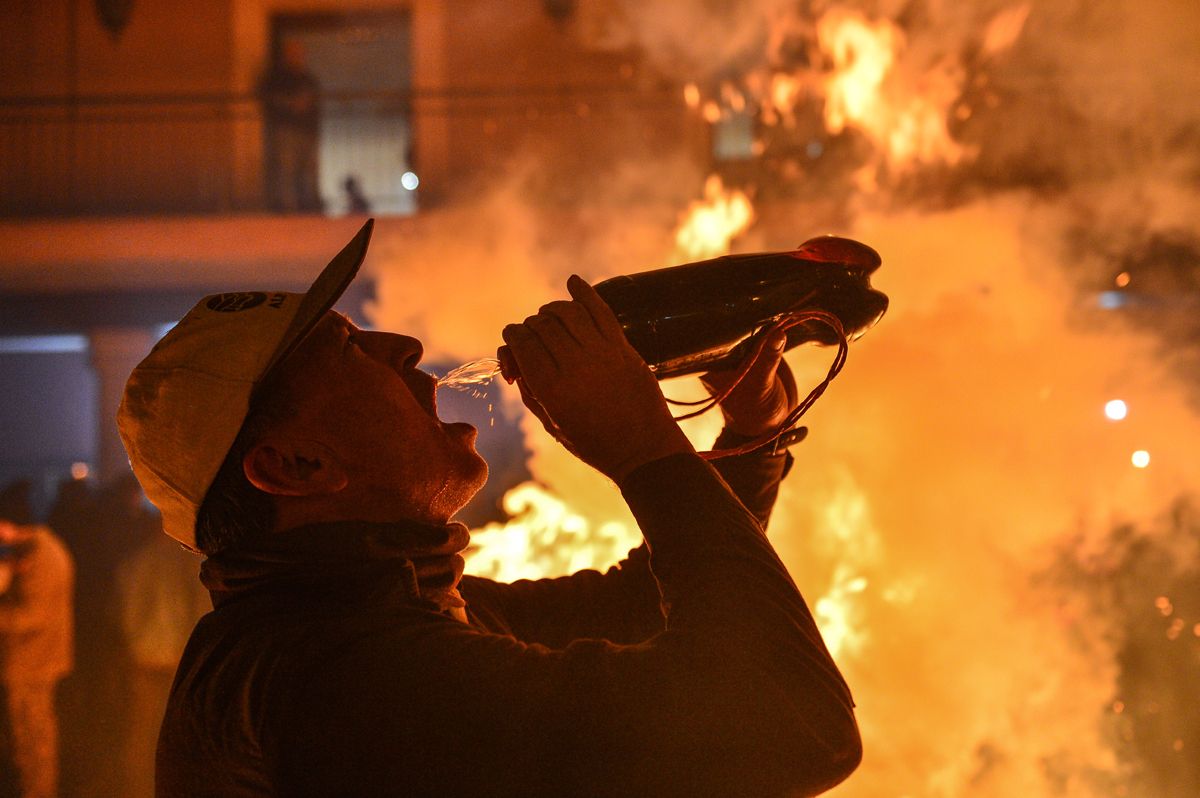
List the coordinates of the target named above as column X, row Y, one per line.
column 902, row 107
column 1004, row 29
column 545, row 538
column 845, row 528
column 908, row 123
column 712, row 223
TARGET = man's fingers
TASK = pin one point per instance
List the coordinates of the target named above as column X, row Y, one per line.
column 539, row 412
column 575, row 318
column 602, row 315
column 529, row 352
column 554, row 325
column 762, row 373
column 784, row 373
column 758, row 377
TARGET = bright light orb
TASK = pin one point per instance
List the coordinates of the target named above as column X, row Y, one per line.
column 1115, row 409
column 410, row 181
column 1140, row 458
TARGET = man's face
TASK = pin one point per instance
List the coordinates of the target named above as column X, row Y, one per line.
column 361, row 395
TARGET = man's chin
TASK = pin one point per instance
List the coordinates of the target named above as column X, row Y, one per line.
column 472, row 468
column 469, row 478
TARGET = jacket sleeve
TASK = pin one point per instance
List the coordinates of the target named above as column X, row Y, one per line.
column 737, row 696
column 754, row 477
column 623, row 604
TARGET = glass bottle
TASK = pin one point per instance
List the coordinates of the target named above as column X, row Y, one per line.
column 700, row 316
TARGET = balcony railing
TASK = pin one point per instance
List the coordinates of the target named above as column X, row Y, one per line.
column 123, row 155
column 167, row 154
column 203, row 154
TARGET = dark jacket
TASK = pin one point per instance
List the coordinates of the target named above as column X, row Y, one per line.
column 693, row 668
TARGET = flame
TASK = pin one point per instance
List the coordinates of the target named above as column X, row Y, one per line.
column 968, row 485
column 863, row 53
column 710, row 224
column 907, row 121
column 1005, row 28
column 786, row 92
column 866, row 84
column 836, row 616
column 845, row 529
column 545, row 538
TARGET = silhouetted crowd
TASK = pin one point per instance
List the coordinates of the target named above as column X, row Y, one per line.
column 96, row 605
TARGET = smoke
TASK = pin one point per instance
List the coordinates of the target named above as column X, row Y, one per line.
column 1080, row 89
column 970, row 429
column 964, row 451
column 467, row 269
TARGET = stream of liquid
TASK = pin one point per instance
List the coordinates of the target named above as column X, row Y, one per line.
column 470, row 377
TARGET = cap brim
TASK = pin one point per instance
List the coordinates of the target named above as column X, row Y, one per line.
column 323, row 294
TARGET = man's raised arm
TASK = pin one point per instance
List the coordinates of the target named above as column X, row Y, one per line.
column 623, row 603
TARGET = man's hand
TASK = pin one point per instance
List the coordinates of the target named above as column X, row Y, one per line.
column 589, row 388
column 764, row 397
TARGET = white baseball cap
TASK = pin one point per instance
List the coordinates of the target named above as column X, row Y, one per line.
column 185, row 403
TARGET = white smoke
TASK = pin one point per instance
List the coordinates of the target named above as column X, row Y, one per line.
column 971, row 425
column 965, row 442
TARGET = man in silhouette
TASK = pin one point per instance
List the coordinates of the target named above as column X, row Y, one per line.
column 347, row 654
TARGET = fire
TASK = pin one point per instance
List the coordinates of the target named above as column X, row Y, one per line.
column 844, row 527
column 785, row 93
column 863, row 54
column 545, row 538
column 710, row 224
column 906, row 120
column 861, row 72
column 973, row 437
column 834, row 613
column 1004, row 29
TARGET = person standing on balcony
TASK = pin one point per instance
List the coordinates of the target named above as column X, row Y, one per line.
column 291, row 105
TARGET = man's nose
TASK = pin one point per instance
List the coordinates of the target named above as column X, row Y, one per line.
column 401, row 351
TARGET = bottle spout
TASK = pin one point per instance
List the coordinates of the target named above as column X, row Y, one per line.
column 853, row 255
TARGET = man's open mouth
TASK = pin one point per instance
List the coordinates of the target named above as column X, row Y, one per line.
column 424, row 389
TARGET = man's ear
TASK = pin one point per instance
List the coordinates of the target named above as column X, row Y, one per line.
column 294, row 468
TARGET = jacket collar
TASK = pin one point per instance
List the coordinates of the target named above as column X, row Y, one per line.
column 347, row 562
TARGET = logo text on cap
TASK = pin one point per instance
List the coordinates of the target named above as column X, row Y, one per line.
column 231, row 303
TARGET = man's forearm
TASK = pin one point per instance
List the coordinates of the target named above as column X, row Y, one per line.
column 754, row 477
column 730, row 601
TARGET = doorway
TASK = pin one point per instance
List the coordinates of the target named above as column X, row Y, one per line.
column 362, row 64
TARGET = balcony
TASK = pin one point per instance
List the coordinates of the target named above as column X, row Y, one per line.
column 191, row 154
